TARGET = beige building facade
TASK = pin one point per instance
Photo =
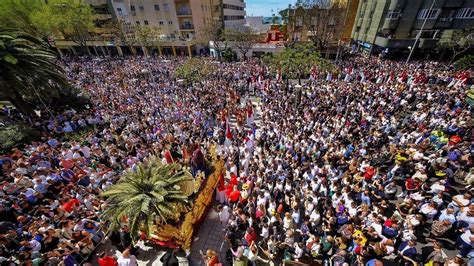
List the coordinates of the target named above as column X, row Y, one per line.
column 179, row 23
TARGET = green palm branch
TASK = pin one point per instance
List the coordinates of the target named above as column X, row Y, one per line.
column 147, row 196
column 28, row 70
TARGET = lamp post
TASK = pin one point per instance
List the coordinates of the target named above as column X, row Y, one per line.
column 420, row 32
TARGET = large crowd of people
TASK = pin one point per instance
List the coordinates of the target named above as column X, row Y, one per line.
column 359, row 167
column 356, row 166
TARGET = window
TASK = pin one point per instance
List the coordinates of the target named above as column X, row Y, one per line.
column 141, row 8
column 394, row 14
column 166, row 7
column 428, row 14
column 233, row 17
column 160, row 22
column 465, row 13
column 119, row 11
column 157, row 7
column 299, row 22
column 137, row 22
column 145, row 22
column 132, row 8
column 233, row 7
column 170, row 22
column 172, row 36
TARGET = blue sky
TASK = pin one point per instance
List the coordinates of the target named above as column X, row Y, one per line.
column 264, row 7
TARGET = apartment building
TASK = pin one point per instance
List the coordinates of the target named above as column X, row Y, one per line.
column 179, row 22
column 340, row 13
column 392, row 25
column 175, row 19
column 233, row 13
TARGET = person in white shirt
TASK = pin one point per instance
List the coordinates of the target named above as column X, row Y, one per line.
column 299, row 250
column 126, row 259
column 461, row 201
column 467, row 215
column 465, row 241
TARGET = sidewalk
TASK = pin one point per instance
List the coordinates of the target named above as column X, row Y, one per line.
column 210, row 236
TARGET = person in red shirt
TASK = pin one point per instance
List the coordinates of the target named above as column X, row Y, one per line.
column 70, row 205
column 250, row 236
column 221, row 190
column 229, row 188
column 412, row 184
column 234, row 196
column 233, row 179
column 107, row 260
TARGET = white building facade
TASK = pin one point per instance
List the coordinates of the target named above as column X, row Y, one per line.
column 256, row 24
column 233, row 13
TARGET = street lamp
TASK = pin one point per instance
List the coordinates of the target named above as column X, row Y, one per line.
column 420, row 32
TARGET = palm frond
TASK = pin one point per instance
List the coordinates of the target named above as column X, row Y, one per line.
column 146, row 195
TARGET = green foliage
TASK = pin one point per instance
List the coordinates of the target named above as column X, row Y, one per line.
column 18, row 14
column 228, row 55
column 465, row 63
column 458, row 41
column 15, row 135
column 147, row 36
column 297, row 60
column 29, row 71
column 243, row 39
column 195, row 70
column 212, row 31
column 73, row 19
column 150, row 195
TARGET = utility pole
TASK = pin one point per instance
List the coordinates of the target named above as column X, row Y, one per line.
column 419, row 33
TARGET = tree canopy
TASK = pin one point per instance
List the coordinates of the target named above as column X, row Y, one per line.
column 297, row 60
column 70, row 19
column 322, row 19
column 465, row 63
column 214, row 32
column 19, row 14
column 195, row 70
column 242, row 38
column 458, row 41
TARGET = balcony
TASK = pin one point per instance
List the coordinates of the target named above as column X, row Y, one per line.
column 404, row 43
column 428, row 42
column 393, row 43
column 184, row 12
column 186, row 27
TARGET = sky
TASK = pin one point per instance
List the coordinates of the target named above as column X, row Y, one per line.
column 264, row 7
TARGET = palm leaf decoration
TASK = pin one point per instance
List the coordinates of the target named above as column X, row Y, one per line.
column 29, row 74
column 150, row 195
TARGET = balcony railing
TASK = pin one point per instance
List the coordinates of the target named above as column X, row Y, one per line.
column 184, row 12
column 187, row 27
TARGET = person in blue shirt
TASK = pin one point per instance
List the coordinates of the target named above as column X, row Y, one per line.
column 407, row 249
column 365, row 197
